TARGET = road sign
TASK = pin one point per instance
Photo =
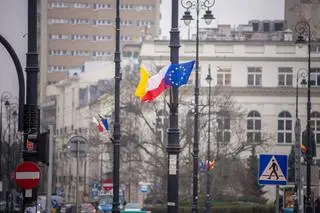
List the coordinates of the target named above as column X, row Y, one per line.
column 27, row 175
column 107, row 184
column 78, row 146
column 273, row 169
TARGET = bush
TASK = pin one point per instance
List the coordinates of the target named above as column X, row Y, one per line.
column 228, row 208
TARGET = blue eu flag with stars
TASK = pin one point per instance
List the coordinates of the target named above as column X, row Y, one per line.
column 178, row 74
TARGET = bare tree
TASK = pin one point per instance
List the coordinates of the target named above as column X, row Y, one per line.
column 144, row 138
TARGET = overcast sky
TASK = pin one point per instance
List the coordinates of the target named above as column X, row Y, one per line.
column 232, row 12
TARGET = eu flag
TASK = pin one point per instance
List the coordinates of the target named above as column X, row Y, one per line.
column 178, row 74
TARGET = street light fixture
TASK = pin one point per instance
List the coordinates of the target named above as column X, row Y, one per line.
column 208, row 179
column 303, row 29
column 187, row 18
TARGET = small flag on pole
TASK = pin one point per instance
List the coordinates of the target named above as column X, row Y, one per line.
column 303, row 148
column 205, row 166
column 102, row 123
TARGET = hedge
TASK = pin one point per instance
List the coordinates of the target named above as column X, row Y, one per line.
column 236, row 208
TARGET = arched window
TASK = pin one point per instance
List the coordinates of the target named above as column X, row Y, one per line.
column 284, row 127
column 315, row 125
column 254, row 127
column 224, row 131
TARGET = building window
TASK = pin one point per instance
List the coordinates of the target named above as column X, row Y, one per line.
column 278, row 27
column 80, row 53
column 125, row 38
column 58, row 52
column 126, row 23
column 224, row 76
column 224, row 132
column 284, row 128
column 254, row 76
column 56, row 68
column 59, row 5
column 58, row 37
column 80, row 21
column 102, row 6
column 141, row 23
column 266, row 27
column 254, row 127
column 126, row 6
column 255, row 27
column 315, row 125
column 102, row 22
column 100, row 53
column 81, row 5
column 58, row 21
column 315, row 77
column 145, row 7
column 102, row 38
column 80, row 37
column 285, row 76
column 315, row 48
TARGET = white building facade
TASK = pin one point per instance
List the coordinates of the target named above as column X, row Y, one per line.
column 261, row 76
column 77, row 100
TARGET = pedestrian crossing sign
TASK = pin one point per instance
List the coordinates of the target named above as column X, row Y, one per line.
column 273, row 169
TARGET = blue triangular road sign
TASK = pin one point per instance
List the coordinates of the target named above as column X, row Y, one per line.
column 273, row 169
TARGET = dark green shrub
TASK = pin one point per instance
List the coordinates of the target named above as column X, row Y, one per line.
column 226, row 208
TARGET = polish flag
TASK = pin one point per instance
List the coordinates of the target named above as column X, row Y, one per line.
column 156, row 85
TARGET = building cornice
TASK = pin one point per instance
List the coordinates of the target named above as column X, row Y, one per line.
column 255, row 91
column 231, row 58
column 268, row 42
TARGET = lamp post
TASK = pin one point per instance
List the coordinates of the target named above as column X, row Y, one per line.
column 173, row 146
column 4, row 97
column 187, row 18
column 7, row 105
column 297, row 131
column 208, row 180
column 116, row 126
column 303, row 28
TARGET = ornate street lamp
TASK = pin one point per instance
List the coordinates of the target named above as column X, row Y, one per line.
column 297, row 131
column 187, row 18
column 173, row 145
column 7, row 105
column 116, row 126
column 303, row 29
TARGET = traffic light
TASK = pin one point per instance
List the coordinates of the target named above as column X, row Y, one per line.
column 37, row 147
column 43, row 147
column 309, row 150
